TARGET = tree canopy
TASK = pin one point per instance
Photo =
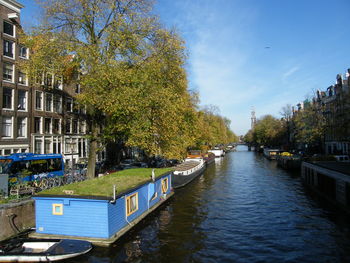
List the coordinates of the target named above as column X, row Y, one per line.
column 131, row 73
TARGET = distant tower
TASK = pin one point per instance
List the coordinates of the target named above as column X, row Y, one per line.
column 253, row 118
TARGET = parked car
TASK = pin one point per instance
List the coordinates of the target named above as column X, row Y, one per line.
column 158, row 162
column 126, row 164
column 172, row 162
column 140, row 165
column 342, row 158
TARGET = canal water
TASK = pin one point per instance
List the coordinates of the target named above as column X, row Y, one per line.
column 243, row 209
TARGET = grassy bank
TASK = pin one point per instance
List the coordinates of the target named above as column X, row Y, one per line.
column 103, row 186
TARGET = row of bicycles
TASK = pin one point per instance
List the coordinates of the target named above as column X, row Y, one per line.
column 43, row 182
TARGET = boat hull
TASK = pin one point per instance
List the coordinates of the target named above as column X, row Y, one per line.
column 64, row 249
column 179, row 181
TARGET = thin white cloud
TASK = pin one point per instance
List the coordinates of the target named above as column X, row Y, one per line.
column 290, row 72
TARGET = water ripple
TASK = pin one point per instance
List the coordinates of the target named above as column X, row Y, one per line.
column 243, row 209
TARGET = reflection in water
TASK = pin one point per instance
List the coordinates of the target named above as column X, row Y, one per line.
column 243, row 209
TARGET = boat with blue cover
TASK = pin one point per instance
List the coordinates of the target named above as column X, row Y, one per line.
column 42, row 250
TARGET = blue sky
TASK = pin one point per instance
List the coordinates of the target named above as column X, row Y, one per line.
column 229, row 63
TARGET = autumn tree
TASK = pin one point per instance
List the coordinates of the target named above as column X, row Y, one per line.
column 132, row 73
column 268, row 131
column 310, row 125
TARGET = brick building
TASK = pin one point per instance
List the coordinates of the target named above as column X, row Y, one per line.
column 40, row 117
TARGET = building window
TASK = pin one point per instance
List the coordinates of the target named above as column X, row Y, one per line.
column 38, row 100
column 47, row 146
column 57, row 83
column 68, row 124
column 22, row 100
column 9, row 29
column 8, row 72
column 57, row 209
column 48, row 102
column 21, row 127
column 37, row 146
column 7, row 98
column 165, row 185
column 48, row 80
column 23, row 52
column 47, row 125
column 57, row 103
column 75, row 126
column 8, row 48
column 22, row 78
column 56, row 126
column 7, row 127
column 77, row 88
column 69, row 105
column 132, row 204
column 82, row 127
column 37, row 125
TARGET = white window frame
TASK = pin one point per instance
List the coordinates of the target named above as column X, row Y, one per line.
column 11, row 128
column 41, row 146
column 13, row 49
column 12, row 98
column 13, row 72
column 25, row 102
column 59, row 125
column 50, row 127
column 77, row 131
column 25, row 127
column 55, row 96
column 20, row 52
column 51, row 104
column 82, row 127
column 40, row 125
column 14, row 29
column 70, row 126
column 71, row 105
column 25, row 81
column 42, row 100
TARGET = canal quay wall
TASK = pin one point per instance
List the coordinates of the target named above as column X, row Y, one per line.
column 329, row 179
column 16, row 217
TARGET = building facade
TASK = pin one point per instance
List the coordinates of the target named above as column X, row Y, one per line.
column 15, row 92
column 40, row 117
column 336, row 104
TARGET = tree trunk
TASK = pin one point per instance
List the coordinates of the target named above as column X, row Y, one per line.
column 92, row 151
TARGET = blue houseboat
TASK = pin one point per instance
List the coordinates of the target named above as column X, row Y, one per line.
column 62, row 212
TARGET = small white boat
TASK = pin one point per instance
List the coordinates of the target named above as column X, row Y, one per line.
column 217, row 152
column 42, row 250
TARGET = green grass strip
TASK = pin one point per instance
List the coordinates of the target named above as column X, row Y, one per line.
column 103, row 186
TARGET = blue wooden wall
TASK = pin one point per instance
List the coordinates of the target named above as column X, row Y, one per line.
column 81, row 217
column 91, row 217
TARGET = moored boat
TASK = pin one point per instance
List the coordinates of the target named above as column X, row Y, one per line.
column 93, row 210
column 187, row 171
column 289, row 161
column 42, row 250
column 209, row 158
column 217, row 152
column 271, row 154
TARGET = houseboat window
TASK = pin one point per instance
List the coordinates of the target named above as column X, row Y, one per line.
column 132, row 204
column 57, row 209
column 165, row 185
